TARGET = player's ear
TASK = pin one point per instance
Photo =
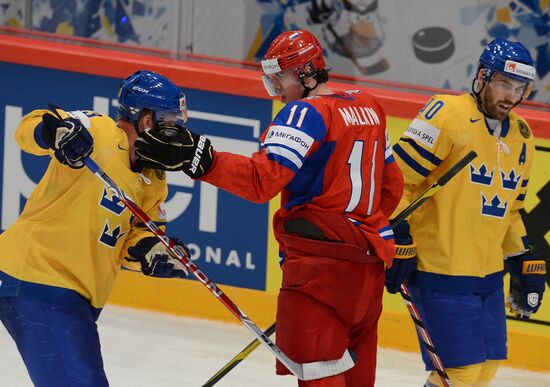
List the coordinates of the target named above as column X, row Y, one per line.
column 480, row 80
column 146, row 120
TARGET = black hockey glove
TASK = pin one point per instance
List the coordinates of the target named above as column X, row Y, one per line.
column 174, row 148
column 69, row 139
column 527, row 272
column 404, row 262
column 155, row 259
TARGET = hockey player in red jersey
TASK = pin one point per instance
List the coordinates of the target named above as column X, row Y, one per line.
column 329, row 156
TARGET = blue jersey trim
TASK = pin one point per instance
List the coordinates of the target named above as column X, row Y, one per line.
column 505, row 127
column 293, row 151
column 521, row 197
column 13, row 287
column 422, row 152
column 524, row 183
column 38, row 137
column 410, row 161
column 283, row 161
column 386, row 233
column 525, row 242
column 312, row 124
column 457, row 283
column 308, row 182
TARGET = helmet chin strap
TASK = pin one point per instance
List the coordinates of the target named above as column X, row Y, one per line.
column 136, row 127
column 308, row 90
column 479, row 102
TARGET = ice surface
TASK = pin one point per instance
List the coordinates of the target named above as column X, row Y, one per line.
column 150, row 349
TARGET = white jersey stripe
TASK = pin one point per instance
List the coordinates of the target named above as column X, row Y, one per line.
column 372, row 180
column 283, row 152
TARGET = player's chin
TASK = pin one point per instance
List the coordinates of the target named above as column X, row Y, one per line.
column 502, row 111
column 289, row 97
column 497, row 112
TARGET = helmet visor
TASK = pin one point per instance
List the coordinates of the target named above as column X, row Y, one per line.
column 511, row 86
column 269, row 87
column 276, row 83
column 173, row 116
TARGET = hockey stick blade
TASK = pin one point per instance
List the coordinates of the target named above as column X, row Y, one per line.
column 237, row 359
column 307, row 371
column 436, row 185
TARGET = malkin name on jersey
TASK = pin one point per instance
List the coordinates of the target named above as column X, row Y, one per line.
column 359, row 116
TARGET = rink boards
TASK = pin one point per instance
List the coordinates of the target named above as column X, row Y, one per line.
column 230, row 239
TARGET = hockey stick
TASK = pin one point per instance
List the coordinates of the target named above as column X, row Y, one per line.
column 306, row 371
column 432, row 189
column 404, row 291
column 237, row 359
column 424, row 336
column 419, row 325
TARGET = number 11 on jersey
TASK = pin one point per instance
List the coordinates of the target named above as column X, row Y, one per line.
column 356, row 176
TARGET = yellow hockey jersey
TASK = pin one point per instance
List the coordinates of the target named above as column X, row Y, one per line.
column 73, row 232
column 466, row 229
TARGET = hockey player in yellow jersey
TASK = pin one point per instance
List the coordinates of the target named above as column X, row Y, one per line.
column 59, row 260
column 468, row 232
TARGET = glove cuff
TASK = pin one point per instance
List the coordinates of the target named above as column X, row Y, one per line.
column 537, row 266
column 405, row 251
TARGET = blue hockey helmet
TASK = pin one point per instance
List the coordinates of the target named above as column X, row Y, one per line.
column 148, row 90
column 511, row 59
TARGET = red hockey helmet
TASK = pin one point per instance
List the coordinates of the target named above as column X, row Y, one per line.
column 293, row 50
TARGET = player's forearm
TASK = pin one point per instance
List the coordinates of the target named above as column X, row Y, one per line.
column 256, row 179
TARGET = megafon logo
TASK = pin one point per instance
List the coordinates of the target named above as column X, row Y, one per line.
column 270, row 66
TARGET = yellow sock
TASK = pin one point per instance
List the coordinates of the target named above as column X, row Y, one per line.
column 475, row 375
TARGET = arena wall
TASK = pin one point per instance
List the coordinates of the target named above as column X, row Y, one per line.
column 230, row 239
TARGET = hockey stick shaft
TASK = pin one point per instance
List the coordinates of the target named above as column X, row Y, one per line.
column 432, row 189
column 183, row 257
column 237, row 359
column 424, row 336
column 404, row 291
column 419, row 325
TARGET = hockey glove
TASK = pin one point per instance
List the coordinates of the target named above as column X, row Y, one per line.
column 69, row 139
column 527, row 272
column 174, row 148
column 404, row 263
column 155, row 259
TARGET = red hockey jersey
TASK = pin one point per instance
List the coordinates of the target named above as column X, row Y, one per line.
column 328, row 154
